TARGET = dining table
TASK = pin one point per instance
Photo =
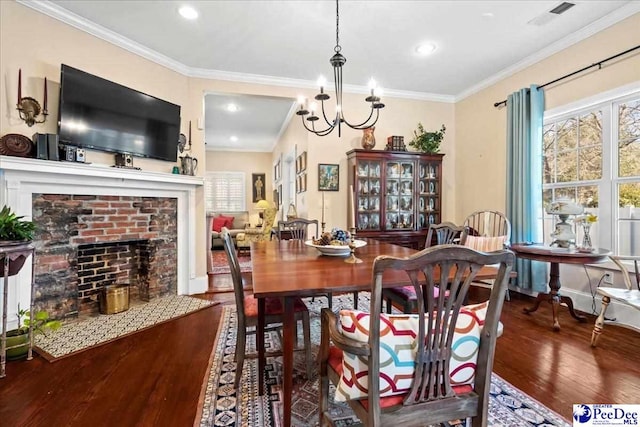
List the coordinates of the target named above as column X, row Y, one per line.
column 289, row 269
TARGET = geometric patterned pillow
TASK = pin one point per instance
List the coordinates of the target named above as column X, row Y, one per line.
column 398, row 348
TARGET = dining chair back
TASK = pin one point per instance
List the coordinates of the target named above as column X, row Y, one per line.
column 486, row 231
column 407, row 369
column 627, row 295
column 297, row 229
column 247, row 317
column 405, row 296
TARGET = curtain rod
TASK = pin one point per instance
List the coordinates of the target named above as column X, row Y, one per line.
column 597, row 64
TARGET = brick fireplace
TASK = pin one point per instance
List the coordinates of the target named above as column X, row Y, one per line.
column 144, row 221
column 85, row 242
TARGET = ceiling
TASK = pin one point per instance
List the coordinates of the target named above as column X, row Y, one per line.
column 290, row 42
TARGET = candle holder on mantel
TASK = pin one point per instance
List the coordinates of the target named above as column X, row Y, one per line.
column 29, row 108
column 352, row 246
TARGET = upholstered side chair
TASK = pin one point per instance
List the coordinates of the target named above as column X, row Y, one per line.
column 247, row 307
column 260, row 234
column 411, row 369
column 625, row 295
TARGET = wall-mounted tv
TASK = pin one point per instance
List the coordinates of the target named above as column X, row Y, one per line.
column 102, row 115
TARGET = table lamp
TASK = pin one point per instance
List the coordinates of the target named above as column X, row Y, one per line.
column 563, row 235
column 261, row 207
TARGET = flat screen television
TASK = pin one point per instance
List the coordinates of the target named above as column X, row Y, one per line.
column 102, row 115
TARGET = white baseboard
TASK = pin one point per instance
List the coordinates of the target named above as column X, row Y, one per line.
column 199, row 285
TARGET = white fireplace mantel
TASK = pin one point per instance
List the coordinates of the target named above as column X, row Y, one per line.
column 20, row 178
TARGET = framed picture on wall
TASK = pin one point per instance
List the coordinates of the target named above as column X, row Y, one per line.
column 280, row 195
column 276, row 199
column 303, row 161
column 258, row 187
column 328, row 177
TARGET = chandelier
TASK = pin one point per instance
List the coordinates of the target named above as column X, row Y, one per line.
column 337, row 61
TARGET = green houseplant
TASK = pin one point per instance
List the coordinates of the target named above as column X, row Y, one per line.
column 19, row 338
column 427, row 142
column 14, row 230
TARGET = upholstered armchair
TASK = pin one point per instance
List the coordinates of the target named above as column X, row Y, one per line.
column 258, row 234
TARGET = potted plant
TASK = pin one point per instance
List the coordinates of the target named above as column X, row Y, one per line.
column 14, row 230
column 19, row 338
column 427, row 142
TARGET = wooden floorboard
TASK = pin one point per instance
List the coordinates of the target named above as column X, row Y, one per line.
column 153, row 378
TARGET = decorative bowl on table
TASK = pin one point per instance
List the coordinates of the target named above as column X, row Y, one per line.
column 335, row 250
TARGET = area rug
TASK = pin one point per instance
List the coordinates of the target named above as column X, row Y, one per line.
column 74, row 337
column 221, row 405
column 220, row 265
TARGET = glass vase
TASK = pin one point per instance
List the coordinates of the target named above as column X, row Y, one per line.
column 586, row 238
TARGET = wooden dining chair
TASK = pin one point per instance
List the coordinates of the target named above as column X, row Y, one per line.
column 417, row 369
column 626, row 295
column 405, row 296
column 486, row 231
column 297, row 229
column 247, row 308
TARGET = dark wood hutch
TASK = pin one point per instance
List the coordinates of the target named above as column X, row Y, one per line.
column 397, row 194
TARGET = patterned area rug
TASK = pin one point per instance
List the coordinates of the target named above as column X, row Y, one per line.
column 74, row 337
column 220, row 405
column 220, row 265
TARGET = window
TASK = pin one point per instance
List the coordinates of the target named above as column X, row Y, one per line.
column 591, row 154
column 225, row 191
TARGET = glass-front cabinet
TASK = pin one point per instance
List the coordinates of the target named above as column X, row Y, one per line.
column 396, row 194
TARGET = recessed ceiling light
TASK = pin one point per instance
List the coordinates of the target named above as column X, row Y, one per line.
column 188, row 12
column 232, row 108
column 425, row 48
column 487, row 15
column 234, row 138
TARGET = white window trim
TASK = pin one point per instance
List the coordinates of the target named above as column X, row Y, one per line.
column 239, row 175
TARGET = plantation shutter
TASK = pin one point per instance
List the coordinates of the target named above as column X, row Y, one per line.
column 225, row 192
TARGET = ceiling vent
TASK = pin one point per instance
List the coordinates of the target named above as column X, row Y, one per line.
column 550, row 15
column 562, row 8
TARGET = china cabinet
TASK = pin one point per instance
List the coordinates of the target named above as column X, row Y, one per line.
column 397, row 194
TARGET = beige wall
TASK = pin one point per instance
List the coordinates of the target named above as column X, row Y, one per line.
column 481, row 128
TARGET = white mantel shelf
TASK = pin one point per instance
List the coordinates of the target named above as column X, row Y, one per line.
column 21, row 178
column 93, row 170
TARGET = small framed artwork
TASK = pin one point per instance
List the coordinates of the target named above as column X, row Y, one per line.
column 257, row 184
column 298, row 183
column 276, row 199
column 298, row 164
column 276, row 171
column 280, row 195
column 303, row 161
column 328, row 177
column 303, row 182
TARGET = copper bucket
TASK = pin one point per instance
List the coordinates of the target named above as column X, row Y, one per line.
column 114, row 299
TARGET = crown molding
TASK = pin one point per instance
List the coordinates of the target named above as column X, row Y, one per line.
column 54, row 11
column 613, row 18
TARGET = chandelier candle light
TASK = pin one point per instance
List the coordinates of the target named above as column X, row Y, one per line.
column 337, row 61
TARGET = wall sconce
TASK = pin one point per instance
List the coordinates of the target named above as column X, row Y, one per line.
column 29, row 108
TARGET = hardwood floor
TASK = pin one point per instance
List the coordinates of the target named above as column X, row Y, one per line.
column 153, row 378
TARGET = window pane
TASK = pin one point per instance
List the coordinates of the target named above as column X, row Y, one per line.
column 591, row 129
column 567, row 134
column 567, row 164
column 590, row 163
column 629, row 120
column 588, row 196
column 629, row 160
column 629, row 196
column 567, row 193
column 548, row 169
